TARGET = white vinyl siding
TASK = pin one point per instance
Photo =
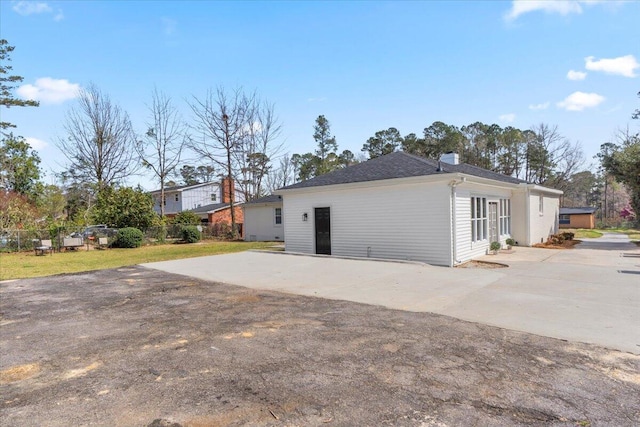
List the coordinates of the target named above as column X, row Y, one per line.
column 409, row 221
column 197, row 197
column 259, row 223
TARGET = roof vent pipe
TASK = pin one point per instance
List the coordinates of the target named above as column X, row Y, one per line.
column 450, row 158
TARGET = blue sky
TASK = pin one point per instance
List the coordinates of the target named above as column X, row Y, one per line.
column 366, row 66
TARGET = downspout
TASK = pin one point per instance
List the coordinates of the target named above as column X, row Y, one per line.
column 528, row 216
column 454, row 244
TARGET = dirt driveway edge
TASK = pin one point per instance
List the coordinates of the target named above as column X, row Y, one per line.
column 132, row 346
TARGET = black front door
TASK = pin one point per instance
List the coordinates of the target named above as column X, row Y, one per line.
column 323, row 231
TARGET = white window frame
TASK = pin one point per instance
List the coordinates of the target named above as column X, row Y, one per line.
column 541, row 204
column 479, row 220
column 504, row 217
column 276, row 216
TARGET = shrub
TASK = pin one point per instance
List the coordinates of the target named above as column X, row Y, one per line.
column 567, row 235
column 190, row 234
column 187, row 218
column 510, row 242
column 495, row 246
column 128, row 237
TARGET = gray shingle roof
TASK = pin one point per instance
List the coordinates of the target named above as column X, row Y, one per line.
column 271, row 198
column 397, row 165
column 577, row 211
column 209, row 208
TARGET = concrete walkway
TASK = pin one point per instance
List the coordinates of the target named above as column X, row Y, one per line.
column 589, row 294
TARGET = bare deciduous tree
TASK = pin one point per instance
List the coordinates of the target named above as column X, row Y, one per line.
column 282, row 176
column 164, row 140
column 256, row 150
column 222, row 120
column 100, row 140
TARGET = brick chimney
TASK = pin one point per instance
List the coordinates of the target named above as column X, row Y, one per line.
column 226, row 183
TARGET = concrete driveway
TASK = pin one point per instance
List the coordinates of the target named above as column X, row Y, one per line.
column 588, row 294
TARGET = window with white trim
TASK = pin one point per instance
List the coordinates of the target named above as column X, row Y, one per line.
column 541, row 203
column 278, row 216
column 214, row 197
column 478, row 219
column 505, row 216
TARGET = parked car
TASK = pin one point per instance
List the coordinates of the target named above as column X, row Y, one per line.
column 92, row 230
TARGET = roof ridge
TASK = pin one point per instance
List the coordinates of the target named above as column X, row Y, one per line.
column 430, row 162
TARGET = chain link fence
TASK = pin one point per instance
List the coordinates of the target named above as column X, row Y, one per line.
column 26, row 240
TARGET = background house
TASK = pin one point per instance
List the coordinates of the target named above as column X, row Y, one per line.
column 210, row 201
column 264, row 219
column 577, row 217
column 401, row 206
column 189, row 197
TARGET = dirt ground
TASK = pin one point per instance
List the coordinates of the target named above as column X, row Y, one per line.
column 138, row 347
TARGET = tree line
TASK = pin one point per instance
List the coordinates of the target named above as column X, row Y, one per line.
column 539, row 155
column 237, row 134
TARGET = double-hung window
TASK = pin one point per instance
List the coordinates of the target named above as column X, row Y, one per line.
column 505, row 216
column 478, row 219
column 278, row 216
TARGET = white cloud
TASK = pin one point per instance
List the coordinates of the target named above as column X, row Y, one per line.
column 36, row 144
column 563, row 7
column 578, row 101
column 536, row 107
column 26, row 8
column 49, row 91
column 507, row 118
column 576, row 75
column 31, row 7
column 622, row 65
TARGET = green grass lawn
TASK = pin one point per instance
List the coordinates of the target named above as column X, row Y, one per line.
column 582, row 233
column 25, row 264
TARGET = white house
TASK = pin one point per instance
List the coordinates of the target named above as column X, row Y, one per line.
column 189, row 197
column 401, row 206
column 263, row 219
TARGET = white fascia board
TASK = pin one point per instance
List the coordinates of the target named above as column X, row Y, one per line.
column 369, row 184
column 515, row 186
column 541, row 189
column 486, row 181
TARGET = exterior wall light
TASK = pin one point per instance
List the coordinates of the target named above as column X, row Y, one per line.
column 305, row 216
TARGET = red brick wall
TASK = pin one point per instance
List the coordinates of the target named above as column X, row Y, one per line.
column 580, row 221
column 224, row 216
column 225, row 190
